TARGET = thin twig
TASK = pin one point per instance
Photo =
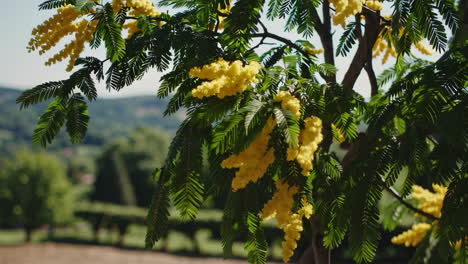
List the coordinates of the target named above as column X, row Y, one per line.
column 395, row 194
column 258, row 45
column 263, row 26
column 281, row 39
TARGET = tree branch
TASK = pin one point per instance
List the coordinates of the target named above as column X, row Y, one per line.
column 395, row 194
column 325, row 34
column 362, row 142
column 283, row 40
column 372, row 29
column 372, row 78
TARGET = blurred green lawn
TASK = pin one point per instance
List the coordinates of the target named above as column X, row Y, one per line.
column 176, row 242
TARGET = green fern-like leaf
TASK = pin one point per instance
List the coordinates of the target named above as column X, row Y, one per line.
column 158, row 213
column 347, row 40
column 241, row 23
column 256, row 244
column 50, row 123
column 52, row 4
column 111, row 33
column 227, row 132
column 84, row 5
column 347, row 125
column 338, row 224
column 77, row 118
column 289, row 124
column 40, row 93
column 83, row 81
column 253, row 110
column 364, row 234
column 189, row 195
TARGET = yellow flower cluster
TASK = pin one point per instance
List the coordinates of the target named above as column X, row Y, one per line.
column 254, row 160
column 222, row 18
column 374, row 5
column 137, row 7
column 430, row 202
column 289, row 102
column 227, row 78
column 345, row 9
column 313, row 51
column 339, row 135
column 132, row 28
column 387, row 46
column 424, row 48
column 280, row 206
column 382, row 46
column 60, row 25
column 458, row 244
column 412, row 237
column 310, row 138
column 292, row 230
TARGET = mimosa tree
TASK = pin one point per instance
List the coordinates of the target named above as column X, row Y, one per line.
column 267, row 120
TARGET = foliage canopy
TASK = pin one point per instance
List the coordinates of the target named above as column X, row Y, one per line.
column 124, row 168
column 417, row 125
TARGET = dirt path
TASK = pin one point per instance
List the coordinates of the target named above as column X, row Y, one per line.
column 51, row 253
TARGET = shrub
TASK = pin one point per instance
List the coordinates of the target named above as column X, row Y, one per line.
column 34, row 191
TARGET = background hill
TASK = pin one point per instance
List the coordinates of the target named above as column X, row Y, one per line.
column 110, row 118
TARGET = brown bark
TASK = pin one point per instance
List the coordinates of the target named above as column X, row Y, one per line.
column 372, row 78
column 28, row 234
column 326, row 37
column 316, row 253
column 364, row 52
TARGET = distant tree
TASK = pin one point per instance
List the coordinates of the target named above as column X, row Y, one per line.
column 34, row 191
column 123, row 174
column 124, row 169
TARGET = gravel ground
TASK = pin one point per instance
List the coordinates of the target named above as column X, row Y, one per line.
column 51, row 253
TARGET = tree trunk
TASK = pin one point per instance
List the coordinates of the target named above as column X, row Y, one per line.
column 96, row 229
column 122, row 228
column 28, row 232
column 316, row 253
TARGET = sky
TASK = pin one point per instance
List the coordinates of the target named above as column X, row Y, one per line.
column 23, row 70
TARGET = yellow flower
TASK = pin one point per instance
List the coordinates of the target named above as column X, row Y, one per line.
column 314, row 51
column 310, row 138
column 137, row 7
column 424, row 48
column 458, row 244
column 345, row 9
column 381, row 46
column 339, row 135
column 226, row 78
column 280, row 206
column 222, row 18
column 53, row 30
column 306, row 209
column 412, row 237
column 253, row 162
column 375, row 5
column 132, row 28
column 430, row 202
column 289, row 102
column 387, row 46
